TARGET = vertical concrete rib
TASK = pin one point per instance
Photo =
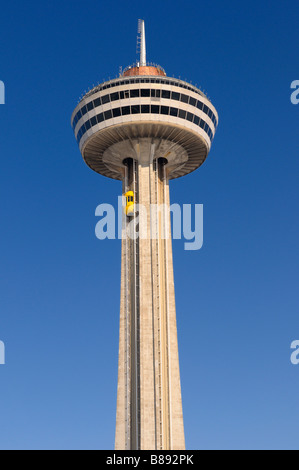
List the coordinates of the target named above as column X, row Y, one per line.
column 122, row 441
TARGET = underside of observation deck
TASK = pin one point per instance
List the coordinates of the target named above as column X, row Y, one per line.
column 190, row 143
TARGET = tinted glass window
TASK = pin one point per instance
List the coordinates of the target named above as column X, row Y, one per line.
column 87, row 125
column 100, row 117
column 165, row 94
column 97, row 102
column 108, row 114
column 196, row 120
column 173, row 112
column 145, row 92
column 114, row 96
column 84, row 110
column 126, row 110
column 192, row 101
column 145, row 108
column 184, row 98
column 135, row 109
column 202, row 124
column 155, row 109
column 134, row 93
column 205, row 109
column 121, row 95
column 105, row 99
column 199, row 104
column 190, row 117
column 116, row 112
column 90, row 106
column 182, row 114
column 93, row 121
column 164, row 109
column 175, row 95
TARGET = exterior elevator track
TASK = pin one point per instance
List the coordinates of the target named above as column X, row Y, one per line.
column 132, row 305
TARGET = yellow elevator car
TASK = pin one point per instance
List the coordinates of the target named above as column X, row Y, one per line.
column 129, row 203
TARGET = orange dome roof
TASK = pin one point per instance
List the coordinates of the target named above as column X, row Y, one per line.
column 144, row 70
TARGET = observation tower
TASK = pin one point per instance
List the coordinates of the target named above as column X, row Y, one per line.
column 144, row 129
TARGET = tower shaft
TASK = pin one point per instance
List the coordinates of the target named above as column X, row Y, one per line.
column 149, row 406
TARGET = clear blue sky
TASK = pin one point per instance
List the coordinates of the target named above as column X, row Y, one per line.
column 237, row 298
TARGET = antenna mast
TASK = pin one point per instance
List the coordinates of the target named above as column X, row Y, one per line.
column 141, row 43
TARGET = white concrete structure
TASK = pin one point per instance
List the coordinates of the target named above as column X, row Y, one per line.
column 145, row 106
column 145, row 129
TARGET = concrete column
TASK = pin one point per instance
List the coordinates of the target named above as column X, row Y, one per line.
column 158, row 400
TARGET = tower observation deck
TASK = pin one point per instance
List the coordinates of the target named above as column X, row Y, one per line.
column 144, row 129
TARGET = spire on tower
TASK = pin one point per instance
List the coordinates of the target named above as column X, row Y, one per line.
column 141, row 43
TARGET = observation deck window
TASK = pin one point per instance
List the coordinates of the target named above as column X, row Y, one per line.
column 108, row 114
column 155, row 109
column 145, row 109
column 184, row 98
column 166, row 94
column 116, row 112
column 145, row 92
column 135, row 109
column 89, row 106
column 175, row 96
column 126, row 110
column 105, row 99
column 135, row 93
column 114, row 96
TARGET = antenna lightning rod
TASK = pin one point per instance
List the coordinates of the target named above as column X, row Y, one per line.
column 141, row 31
